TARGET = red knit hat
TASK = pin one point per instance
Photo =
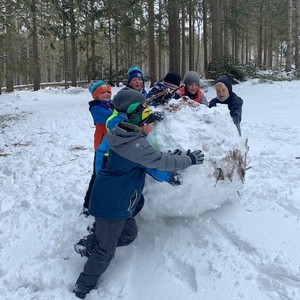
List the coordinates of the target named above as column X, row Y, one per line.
column 98, row 88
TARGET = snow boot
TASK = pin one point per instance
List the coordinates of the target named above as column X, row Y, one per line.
column 86, row 245
column 78, row 292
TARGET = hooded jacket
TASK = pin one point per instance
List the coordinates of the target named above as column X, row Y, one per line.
column 119, row 185
column 234, row 102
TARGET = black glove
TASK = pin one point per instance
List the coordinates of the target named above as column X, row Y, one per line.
column 175, row 152
column 174, row 180
column 196, row 156
column 158, row 116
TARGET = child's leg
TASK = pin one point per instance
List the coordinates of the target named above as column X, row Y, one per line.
column 107, row 234
column 129, row 233
column 91, row 183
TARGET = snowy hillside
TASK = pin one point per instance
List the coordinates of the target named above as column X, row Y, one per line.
column 191, row 244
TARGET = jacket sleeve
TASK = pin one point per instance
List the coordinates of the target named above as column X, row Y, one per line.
column 100, row 152
column 99, row 113
column 159, row 175
column 152, row 92
column 236, row 110
column 212, row 102
column 143, row 153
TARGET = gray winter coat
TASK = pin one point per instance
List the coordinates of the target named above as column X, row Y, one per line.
column 119, row 186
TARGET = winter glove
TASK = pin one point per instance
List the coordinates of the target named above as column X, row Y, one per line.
column 185, row 98
column 175, row 152
column 196, row 156
column 174, row 180
column 158, row 116
column 166, row 98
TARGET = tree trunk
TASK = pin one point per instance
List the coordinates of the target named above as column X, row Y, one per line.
column 35, row 54
column 297, row 35
column 191, row 37
column 226, row 29
column 288, row 64
column 270, row 47
column 183, row 38
column 260, row 37
column 216, row 31
column 73, row 44
column 117, row 52
column 65, row 56
column 152, row 61
column 174, row 36
column 205, row 37
column 111, row 48
column 160, row 40
column 9, row 46
column 87, row 42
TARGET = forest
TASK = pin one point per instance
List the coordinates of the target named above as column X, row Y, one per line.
column 71, row 41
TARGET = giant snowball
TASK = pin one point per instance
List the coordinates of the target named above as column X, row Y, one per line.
column 188, row 125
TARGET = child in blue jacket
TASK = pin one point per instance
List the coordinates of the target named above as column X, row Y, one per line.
column 100, row 108
column 118, row 189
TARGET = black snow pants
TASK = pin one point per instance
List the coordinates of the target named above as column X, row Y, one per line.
column 109, row 235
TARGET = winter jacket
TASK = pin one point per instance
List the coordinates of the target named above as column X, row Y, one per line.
column 119, row 186
column 115, row 118
column 158, row 87
column 102, row 150
column 100, row 111
column 234, row 102
column 197, row 97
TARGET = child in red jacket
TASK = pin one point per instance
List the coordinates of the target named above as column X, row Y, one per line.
column 100, row 109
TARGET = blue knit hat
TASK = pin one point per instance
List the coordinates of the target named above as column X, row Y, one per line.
column 134, row 72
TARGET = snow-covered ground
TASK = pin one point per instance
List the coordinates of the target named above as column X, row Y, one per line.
column 247, row 248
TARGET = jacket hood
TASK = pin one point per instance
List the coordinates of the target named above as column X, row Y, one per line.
column 123, row 133
column 224, row 79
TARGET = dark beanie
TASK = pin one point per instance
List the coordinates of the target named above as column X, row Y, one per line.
column 225, row 80
column 173, row 78
column 125, row 97
column 191, row 77
column 134, row 72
